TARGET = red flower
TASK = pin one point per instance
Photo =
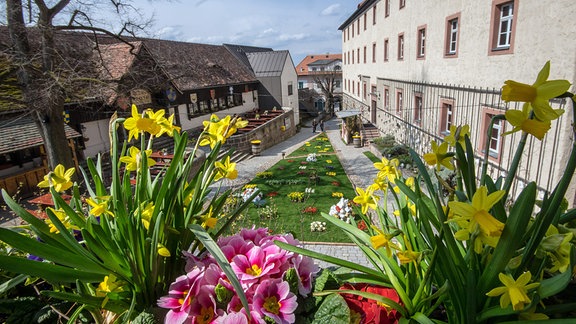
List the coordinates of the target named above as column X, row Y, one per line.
column 303, row 162
column 272, row 194
column 370, row 311
column 310, row 210
column 362, row 225
column 336, row 183
column 301, row 172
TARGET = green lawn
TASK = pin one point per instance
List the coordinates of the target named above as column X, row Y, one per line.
column 280, row 213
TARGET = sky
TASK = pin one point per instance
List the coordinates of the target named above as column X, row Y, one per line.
column 304, row 27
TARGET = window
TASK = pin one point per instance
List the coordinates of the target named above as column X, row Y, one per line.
column 348, row 32
column 374, row 15
column 446, row 116
column 386, row 98
column 364, row 54
column 290, row 88
column 364, row 92
column 352, row 56
column 387, row 8
column 503, row 25
column 399, row 101
column 386, row 50
column 353, row 88
column 374, row 53
column 358, row 88
column 365, row 20
column 495, row 146
column 358, row 26
column 402, row 3
column 400, row 46
column 417, row 107
column 452, row 32
column 352, row 30
column 300, row 84
column 421, row 46
column 358, row 56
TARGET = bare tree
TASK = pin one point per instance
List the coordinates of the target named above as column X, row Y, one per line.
column 45, row 77
column 327, row 82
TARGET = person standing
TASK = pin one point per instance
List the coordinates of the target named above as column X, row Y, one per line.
column 322, row 125
column 314, row 124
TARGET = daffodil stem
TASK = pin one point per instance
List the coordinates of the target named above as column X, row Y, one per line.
column 487, row 147
column 515, row 163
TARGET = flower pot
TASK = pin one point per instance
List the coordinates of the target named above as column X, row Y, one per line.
column 357, row 141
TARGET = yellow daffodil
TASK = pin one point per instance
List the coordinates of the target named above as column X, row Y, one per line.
column 521, row 121
column 408, row 255
column 60, row 179
column 380, row 183
column 163, row 251
column 137, row 124
column 214, row 130
column 439, row 156
column 99, row 208
column 366, row 199
column 477, row 213
column 557, row 248
column 514, row 291
column 208, row 221
column 168, row 127
column 537, row 94
column 457, row 135
column 158, row 119
column 388, row 169
column 225, row 169
column 383, row 240
column 146, row 211
column 64, row 219
column 110, row 284
column 134, row 158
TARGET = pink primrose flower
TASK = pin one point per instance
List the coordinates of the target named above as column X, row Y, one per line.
column 180, row 296
column 237, row 245
column 203, row 306
column 252, row 266
column 306, row 270
column 254, row 234
column 274, row 299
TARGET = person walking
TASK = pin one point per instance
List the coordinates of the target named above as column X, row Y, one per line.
column 322, row 125
column 314, row 124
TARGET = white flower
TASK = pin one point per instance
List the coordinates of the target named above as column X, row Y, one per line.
column 311, row 157
column 317, row 226
column 309, row 190
column 302, row 167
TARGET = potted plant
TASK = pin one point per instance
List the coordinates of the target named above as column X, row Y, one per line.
column 256, row 149
column 357, row 140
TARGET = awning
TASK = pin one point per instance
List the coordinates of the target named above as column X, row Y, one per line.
column 347, row 113
column 19, row 134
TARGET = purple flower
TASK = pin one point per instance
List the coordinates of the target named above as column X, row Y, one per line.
column 274, row 299
column 203, row 307
column 180, row 296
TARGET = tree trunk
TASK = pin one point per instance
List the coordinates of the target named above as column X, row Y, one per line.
column 43, row 97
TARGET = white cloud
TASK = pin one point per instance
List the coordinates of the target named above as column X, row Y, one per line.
column 294, row 37
column 331, row 10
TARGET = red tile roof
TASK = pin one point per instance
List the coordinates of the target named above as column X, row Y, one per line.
column 302, row 67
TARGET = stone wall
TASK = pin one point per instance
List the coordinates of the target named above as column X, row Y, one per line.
column 270, row 133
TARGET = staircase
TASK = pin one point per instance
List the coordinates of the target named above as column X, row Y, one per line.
column 237, row 156
column 369, row 133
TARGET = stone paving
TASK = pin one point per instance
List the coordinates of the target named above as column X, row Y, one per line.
column 359, row 168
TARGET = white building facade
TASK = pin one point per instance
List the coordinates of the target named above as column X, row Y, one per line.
column 415, row 67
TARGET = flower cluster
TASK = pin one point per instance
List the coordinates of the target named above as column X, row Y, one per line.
column 331, row 173
column 337, row 195
column 342, row 210
column 312, row 157
column 310, row 210
column 302, row 167
column 264, row 175
column 248, row 192
column 296, row 196
column 309, row 190
column 317, row 226
column 272, row 279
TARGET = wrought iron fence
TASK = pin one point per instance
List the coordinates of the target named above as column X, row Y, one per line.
column 416, row 113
